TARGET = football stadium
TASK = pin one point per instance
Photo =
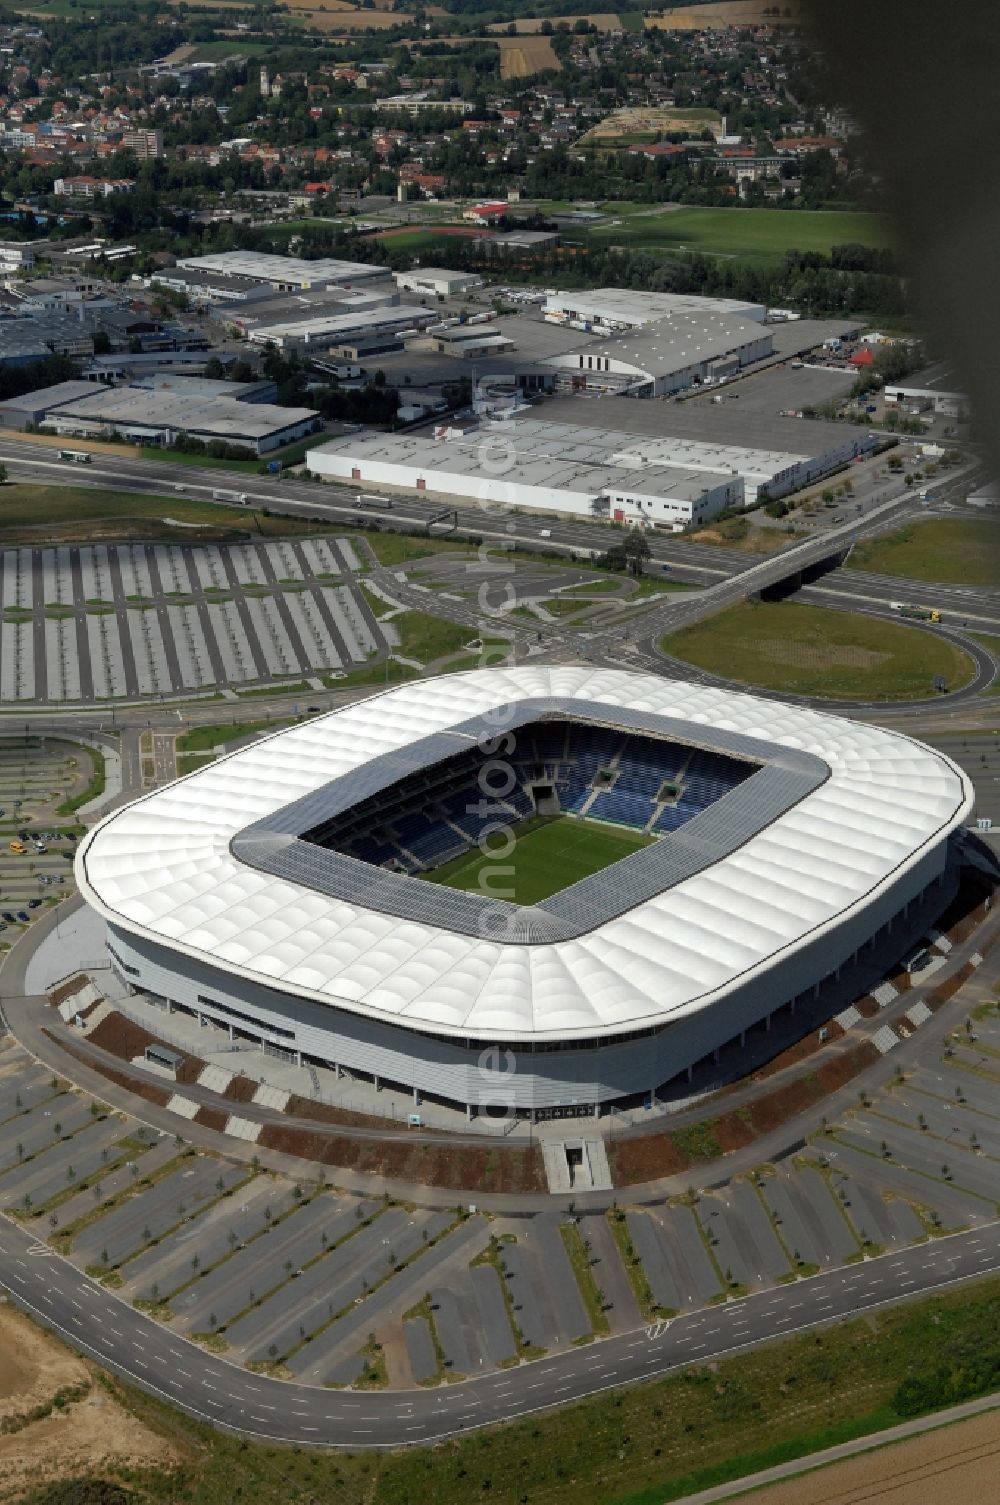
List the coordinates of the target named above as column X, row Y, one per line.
column 522, row 890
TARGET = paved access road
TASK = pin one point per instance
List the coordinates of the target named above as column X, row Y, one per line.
column 150, row 1355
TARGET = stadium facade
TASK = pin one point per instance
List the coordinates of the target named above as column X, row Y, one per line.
column 283, row 891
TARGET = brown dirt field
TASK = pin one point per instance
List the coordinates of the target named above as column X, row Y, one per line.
column 90, row 1434
column 126, row 1040
column 732, row 1131
column 52, row 441
column 646, row 1157
column 147, row 1090
column 530, row 25
column 522, row 56
column 724, row 13
column 352, row 20
column 326, row 1113
column 959, row 1462
column 494, row 1170
column 67, row 989
column 651, row 119
column 241, row 1089
column 211, row 1118
column 800, row 1051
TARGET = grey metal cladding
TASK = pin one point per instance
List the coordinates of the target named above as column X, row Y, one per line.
column 275, row 845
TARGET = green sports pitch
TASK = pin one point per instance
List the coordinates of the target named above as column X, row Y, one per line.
column 550, row 853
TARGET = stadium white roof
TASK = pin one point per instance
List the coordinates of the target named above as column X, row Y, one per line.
column 164, row 868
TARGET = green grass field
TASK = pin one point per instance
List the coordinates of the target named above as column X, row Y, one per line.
column 290, row 454
column 551, row 852
column 810, row 650
column 954, row 551
column 426, row 638
column 761, row 234
column 419, row 239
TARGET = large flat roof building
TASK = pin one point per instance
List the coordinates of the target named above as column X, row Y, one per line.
column 159, row 416
column 436, row 282
column 544, row 471
column 566, row 467
column 337, row 327
column 618, row 308
column 666, row 355
column 284, row 272
column 775, row 458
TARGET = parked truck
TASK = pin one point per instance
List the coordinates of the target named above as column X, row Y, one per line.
column 918, row 613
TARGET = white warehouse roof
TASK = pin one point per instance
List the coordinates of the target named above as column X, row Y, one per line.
column 260, row 266
column 468, row 466
column 619, row 305
column 163, row 868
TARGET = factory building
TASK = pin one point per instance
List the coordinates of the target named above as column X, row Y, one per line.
column 527, row 465
column 615, row 309
column 667, row 356
column 339, row 327
column 284, row 273
column 689, row 471
column 436, row 282
column 157, row 415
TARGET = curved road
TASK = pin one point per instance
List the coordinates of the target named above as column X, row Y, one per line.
column 150, row 1355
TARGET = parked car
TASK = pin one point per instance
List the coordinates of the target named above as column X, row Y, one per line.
column 34, row 903
column 23, row 916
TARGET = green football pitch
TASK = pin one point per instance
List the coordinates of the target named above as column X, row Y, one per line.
column 550, row 853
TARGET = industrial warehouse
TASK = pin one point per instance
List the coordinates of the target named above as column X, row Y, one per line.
column 160, row 411
column 283, row 273
column 303, row 893
column 566, row 468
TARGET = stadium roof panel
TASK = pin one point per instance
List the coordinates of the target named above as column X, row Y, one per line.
column 165, row 867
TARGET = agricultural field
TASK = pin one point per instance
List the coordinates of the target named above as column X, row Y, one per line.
column 952, row 551
column 810, row 650
column 335, row 16
column 630, row 126
column 523, row 56
column 956, row 1462
column 757, row 234
column 551, row 852
column 213, row 4
column 720, row 13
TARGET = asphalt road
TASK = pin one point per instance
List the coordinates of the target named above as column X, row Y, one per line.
column 153, row 1357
